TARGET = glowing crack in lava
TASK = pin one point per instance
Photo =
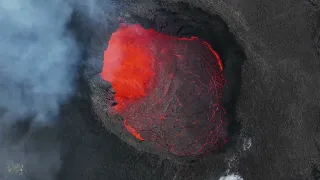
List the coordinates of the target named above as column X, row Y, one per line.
column 168, row 89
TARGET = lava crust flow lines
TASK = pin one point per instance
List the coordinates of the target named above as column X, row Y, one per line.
column 168, row 89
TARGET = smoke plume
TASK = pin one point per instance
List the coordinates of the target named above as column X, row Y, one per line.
column 39, row 58
column 38, row 67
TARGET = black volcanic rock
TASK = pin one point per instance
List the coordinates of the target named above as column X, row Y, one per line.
column 277, row 107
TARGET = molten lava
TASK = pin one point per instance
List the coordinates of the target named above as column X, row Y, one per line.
column 128, row 65
column 168, row 89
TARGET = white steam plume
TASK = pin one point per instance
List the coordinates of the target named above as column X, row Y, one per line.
column 38, row 58
column 38, row 66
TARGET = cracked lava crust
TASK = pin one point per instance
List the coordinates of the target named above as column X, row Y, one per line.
column 167, row 90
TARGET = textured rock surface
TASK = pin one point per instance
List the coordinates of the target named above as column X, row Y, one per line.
column 278, row 106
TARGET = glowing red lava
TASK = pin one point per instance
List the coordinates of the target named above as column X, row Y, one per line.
column 168, row 89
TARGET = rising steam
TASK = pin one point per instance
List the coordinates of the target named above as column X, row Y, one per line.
column 38, row 58
column 38, row 67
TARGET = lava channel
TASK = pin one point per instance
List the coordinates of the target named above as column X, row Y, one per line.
column 168, row 89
